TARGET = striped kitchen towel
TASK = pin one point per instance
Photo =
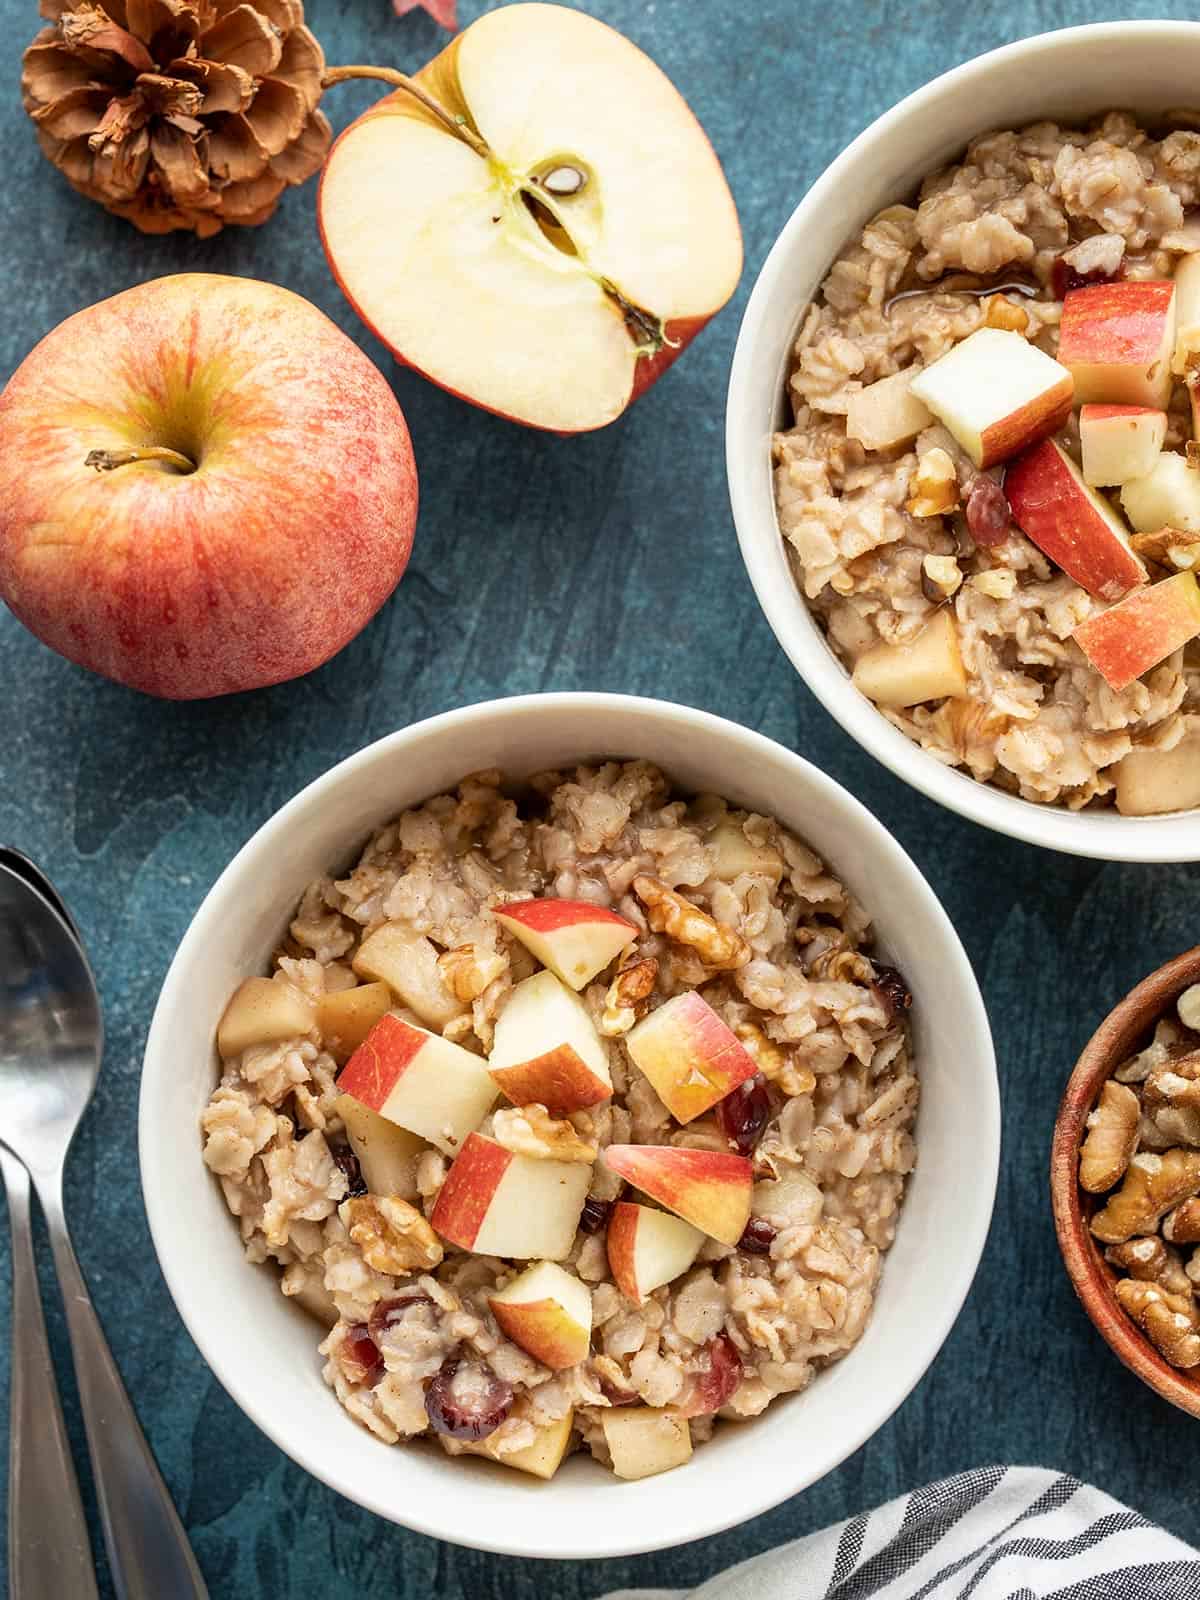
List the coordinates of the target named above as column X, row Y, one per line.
column 997, row 1533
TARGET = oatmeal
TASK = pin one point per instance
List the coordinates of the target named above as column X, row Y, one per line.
column 579, row 1114
column 990, row 493
column 1141, row 1158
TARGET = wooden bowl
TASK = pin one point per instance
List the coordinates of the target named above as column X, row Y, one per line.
column 1122, row 1033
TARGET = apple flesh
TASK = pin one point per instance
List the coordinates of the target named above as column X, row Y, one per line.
column 548, row 1312
column 1119, row 442
column 643, row 1441
column 1150, row 782
column 407, row 963
column 886, row 413
column 541, row 1459
column 278, row 523
column 387, row 1154
column 647, row 1248
column 574, row 939
column 737, row 854
column 690, row 1057
column 550, row 254
column 929, row 667
column 421, row 1081
column 708, row 1188
column 996, row 393
column 1187, row 315
column 1071, row 523
column 546, row 1050
column 1167, row 497
column 1146, row 627
column 1118, row 339
column 346, row 1016
column 500, row 1204
column 264, row 1011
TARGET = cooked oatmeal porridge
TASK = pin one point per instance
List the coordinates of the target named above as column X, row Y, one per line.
column 991, row 490
column 580, row 1114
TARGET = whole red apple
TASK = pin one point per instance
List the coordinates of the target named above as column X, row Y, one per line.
column 205, row 486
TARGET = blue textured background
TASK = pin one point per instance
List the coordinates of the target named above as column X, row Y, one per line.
column 606, row 562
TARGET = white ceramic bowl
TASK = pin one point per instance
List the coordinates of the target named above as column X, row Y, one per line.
column 264, row 1350
column 1148, row 67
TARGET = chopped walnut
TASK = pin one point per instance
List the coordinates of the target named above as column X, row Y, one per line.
column 719, row 947
column 1170, row 547
column 532, row 1131
column 941, row 577
column 1111, row 1140
column 934, row 485
column 1182, row 1226
column 1188, row 1007
column 393, row 1236
column 842, row 964
column 627, row 995
column 1169, row 1321
column 1001, row 312
column 468, row 971
column 1154, row 1185
column 776, row 1064
column 1176, row 1083
column 998, row 583
column 1149, row 1260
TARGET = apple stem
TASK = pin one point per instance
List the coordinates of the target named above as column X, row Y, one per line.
column 109, row 460
column 399, row 80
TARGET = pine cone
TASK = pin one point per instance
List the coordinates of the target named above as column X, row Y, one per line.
column 178, row 113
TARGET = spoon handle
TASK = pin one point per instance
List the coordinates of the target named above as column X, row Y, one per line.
column 148, row 1550
column 48, row 1551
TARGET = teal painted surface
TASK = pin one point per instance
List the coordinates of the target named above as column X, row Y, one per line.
column 605, row 562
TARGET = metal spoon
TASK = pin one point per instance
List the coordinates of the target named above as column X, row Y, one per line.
column 51, row 1035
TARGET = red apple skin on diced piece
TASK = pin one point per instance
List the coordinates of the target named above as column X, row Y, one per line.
column 427, row 1084
column 690, row 1057
column 548, row 1312
column 500, row 1204
column 996, row 393
column 1119, row 442
column 647, row 1248
column 573, row 938
column 708, row 1188
column 1070, row 523
column 546, row 1049
column 1142, row 630
column 1118, row 340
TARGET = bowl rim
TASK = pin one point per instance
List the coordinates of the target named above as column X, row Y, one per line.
column 1169, row 837
column 763, row 1493
column 1091, row 1277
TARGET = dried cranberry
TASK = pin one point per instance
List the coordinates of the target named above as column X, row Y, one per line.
column 356, row 1184
column 1065, row 276
column 758, row 1237
column 467, row 1400
column 360, row 1356
column 892, row 989
column 744, row 1114
column 709, row 1390
column 385, row 1314
column 595, row 1214
column 989, row 515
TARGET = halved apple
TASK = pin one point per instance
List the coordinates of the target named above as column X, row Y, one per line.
column 573, row 938
column 427, row 1084
column 1119, row 442
column 1117, row 339
column 1167, row 497
column 264, row 1011
column 1142, row 630
column 996, row 393
column 387, row 1153
column 708, row 1188
column 647, row 1248
column 548, row 1312
column 1071, row 523
column 548, row 239
column 500, row 1204
column 546, row 1050
column 690, row 1057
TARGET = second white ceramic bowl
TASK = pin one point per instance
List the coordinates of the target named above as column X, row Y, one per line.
column 264, row 1350
column 1147, row 67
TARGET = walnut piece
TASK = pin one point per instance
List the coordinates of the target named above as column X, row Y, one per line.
column 1170, row 547
column 627, row 995
column 1001, row 312
column 1169, row 1321
column 467, row 971
column 1154, row 1185
column 1175, row 1083
column 1111, row 1139
column 1182, row 1226
column 941, row 577
column 998, row 583
column 1150, row 1261
column 775, row 1063
column 1188, row 1007
column 720, row 948
column 934, row 485
column 532, row 1131
column 393, row 1236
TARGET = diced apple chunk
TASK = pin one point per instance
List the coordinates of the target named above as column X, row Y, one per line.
column 1150, row 782
column 541, row 1459
column 1187, row 317
column 1167, row 497
column 887, row 414
column 346, row 1016
column 387, row 1153
column 929, row 667
column 996, row 393
column 427, row 1084
column 546, row 1049
column 573, row 938
column 1143, row 629
column 407, row 963
column 1071, row 523
column 548, row 1312
column 264, row 1011
column 1118, row 340
column 500, row 1204
column 1119, row 442
column 643, row 1441
column 736, row 854
column 689, row 1055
